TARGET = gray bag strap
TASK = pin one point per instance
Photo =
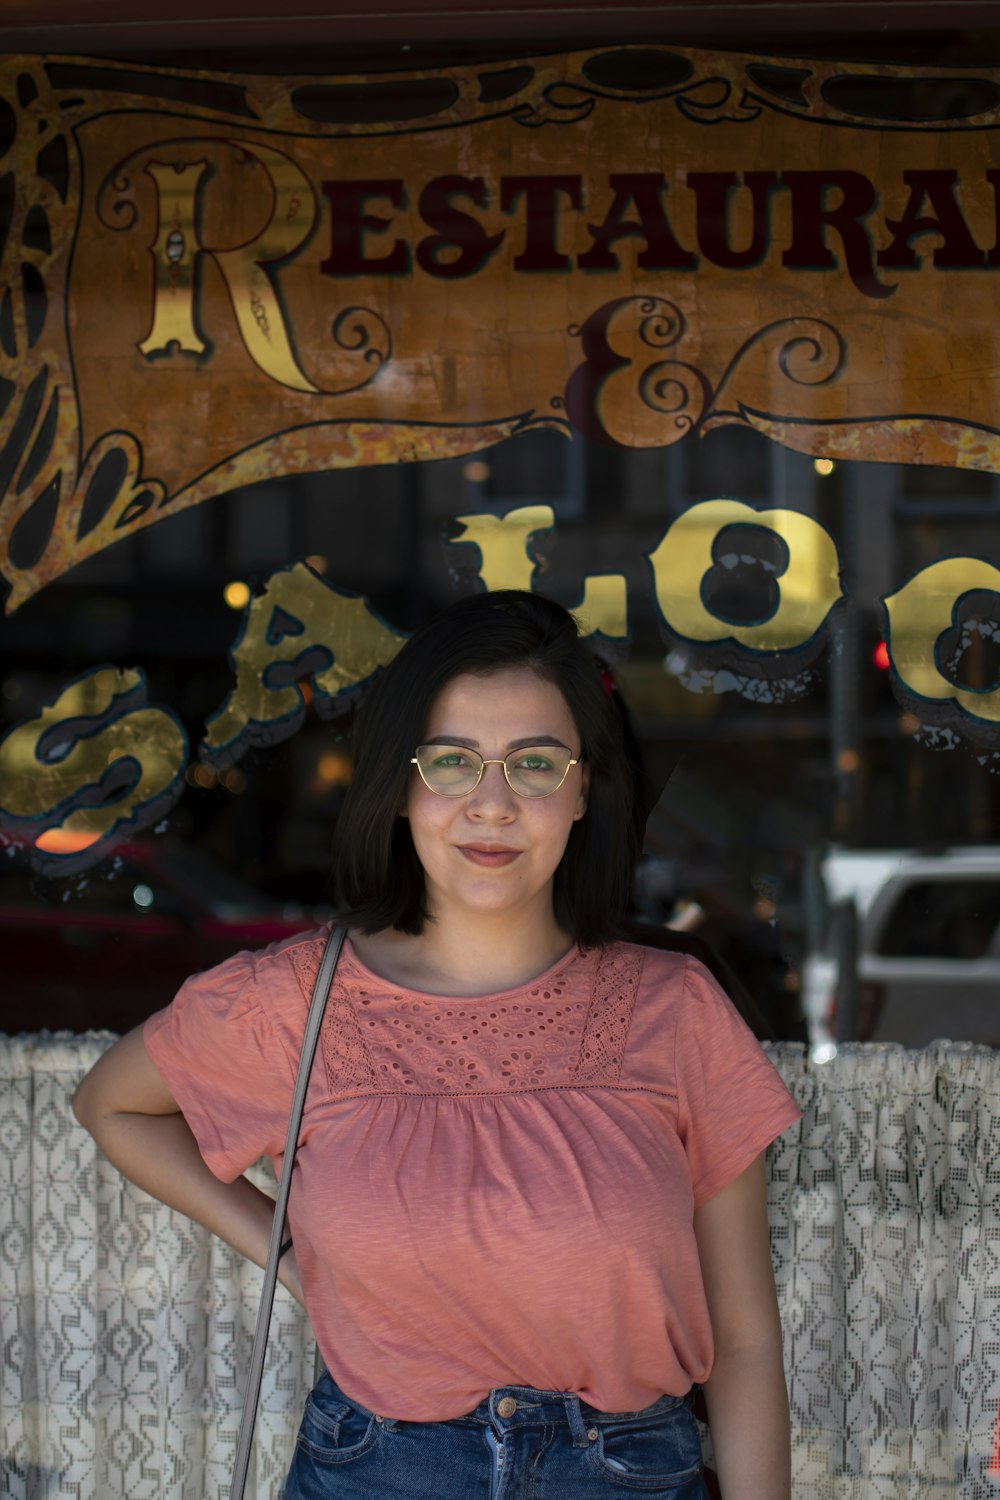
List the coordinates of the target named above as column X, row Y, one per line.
column 277, row 1247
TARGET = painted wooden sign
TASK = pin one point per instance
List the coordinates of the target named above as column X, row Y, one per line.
column 210, row 280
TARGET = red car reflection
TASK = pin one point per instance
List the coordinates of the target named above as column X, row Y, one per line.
column 109, row 946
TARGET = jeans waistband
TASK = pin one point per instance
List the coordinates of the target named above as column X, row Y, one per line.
column 514, row 1406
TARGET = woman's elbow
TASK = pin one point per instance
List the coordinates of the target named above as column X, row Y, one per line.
column 83, row 1103
column 122, row 1081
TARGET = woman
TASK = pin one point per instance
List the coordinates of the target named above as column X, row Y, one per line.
column 528, row 1207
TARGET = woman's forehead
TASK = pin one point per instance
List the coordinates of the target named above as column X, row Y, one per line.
column 513, row 701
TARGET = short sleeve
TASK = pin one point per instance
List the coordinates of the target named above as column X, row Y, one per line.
column 732, row 1101
column 222, row 1059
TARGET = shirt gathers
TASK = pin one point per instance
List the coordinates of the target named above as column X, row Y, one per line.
column 493, row 1189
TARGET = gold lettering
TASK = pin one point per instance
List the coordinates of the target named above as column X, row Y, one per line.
column 251, row 284
column 300, row 628
column 919, row 614
column 809, row 587
column 250, row 281
column 504, row 542
column 507, row 562
column 95, row 761
column 175, row 252
column 603, row 609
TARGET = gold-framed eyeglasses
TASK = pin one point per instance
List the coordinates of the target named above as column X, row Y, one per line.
column 455, row 770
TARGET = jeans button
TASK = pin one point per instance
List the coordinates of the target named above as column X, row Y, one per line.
column 592, row 1434
column 506, row 1406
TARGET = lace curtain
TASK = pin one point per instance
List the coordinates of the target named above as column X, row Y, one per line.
column 125, row 1330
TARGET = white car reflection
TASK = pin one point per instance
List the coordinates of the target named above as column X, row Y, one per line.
column 927, row 941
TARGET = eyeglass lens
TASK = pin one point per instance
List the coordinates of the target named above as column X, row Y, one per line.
column 453, row 770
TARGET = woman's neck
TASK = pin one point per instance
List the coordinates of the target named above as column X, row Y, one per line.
column 456, row 957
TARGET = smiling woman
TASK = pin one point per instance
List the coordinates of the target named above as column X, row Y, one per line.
column 512, row 663
column 509, row 741
column 530, row 1146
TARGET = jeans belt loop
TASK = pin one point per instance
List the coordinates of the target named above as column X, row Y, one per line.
column 577, row 1425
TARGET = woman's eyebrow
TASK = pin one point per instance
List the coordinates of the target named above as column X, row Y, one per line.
column 537, row 739
column 467, row 744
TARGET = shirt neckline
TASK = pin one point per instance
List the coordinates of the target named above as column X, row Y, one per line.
column 573, row 954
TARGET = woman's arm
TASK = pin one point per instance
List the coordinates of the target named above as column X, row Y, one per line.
column 136, row 1121
column 746, row 1395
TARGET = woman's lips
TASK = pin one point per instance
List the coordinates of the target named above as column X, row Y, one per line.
column 490, row 856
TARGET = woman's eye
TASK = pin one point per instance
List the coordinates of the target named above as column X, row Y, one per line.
column 534, row 763
column 451, row 761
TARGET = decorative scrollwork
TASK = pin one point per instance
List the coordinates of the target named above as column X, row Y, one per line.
column 670, row 387
column 663, row 322
column 557, row 104
column 38, row 428
column 133, row 497
column 600, row 393
column 813, row 357
column 675, row 390
column 807, row 351
column 124, row 211
column 362, row 329
column 712, row 100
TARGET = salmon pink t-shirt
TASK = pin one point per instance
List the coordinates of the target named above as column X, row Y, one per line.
column 489, row 1190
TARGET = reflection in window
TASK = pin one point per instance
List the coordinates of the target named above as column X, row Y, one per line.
column 928, row 479
column 729, row 461
column 121, row 891
column 531, row 469
column 954, row 920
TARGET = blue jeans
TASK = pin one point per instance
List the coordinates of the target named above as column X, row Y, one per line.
column 519, row 1444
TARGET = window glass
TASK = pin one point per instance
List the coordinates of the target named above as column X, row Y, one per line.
column 942, row 919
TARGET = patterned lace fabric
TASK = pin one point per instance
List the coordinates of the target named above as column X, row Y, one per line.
column 125, row 1330
column 570, row 1027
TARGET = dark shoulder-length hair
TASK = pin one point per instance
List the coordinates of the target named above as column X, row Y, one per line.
column 378, row 879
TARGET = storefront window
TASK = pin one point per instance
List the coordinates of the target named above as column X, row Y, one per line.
column 750, row 780
column 694, row 335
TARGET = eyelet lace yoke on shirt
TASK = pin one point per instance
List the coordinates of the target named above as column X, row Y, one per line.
column 568, row 1029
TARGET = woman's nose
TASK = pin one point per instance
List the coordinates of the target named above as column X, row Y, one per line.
column 493, row 796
